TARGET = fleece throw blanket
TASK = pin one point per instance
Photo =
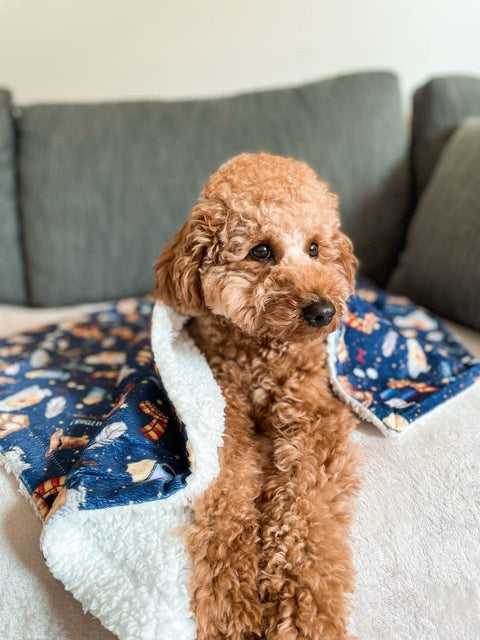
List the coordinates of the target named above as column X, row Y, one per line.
column 112, row 453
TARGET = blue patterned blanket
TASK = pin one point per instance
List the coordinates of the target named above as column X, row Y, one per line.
column 88, row 422
column 394, row 361
column 82, row 407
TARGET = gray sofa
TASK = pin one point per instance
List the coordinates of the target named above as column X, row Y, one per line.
column 89, row 194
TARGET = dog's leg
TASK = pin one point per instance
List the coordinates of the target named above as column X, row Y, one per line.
column 223, row 541
column 307, row 573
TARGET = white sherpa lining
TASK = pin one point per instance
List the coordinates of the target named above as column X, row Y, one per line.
column 128, row 564
column 10, row 468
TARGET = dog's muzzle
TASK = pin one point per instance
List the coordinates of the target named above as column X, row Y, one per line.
column 318, row 313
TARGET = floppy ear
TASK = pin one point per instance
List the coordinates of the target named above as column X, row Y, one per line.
column 343, row 246
column 347, row 259
column 177, row 271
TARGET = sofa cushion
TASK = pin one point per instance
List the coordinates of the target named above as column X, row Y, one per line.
column 12, row 286
column 104, row 187
column 440, row 267
column 438, row 109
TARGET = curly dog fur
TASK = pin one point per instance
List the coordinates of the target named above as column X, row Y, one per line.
column 270, row 540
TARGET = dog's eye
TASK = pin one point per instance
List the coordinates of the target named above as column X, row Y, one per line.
column 313, row 250
column 261, row 252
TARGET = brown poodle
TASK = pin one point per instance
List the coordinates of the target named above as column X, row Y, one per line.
column 264, row 271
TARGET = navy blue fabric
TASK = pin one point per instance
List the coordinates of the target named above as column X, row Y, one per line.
column 397, row 359
column 82, row 407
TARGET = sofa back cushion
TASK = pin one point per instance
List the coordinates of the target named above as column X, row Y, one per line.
column 440, row 266
column 104, row 187
column 438, row 109
column 12, row 285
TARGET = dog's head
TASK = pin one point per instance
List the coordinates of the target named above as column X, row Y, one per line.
column 263, row 249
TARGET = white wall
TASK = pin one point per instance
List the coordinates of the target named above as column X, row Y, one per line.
column 64, row 50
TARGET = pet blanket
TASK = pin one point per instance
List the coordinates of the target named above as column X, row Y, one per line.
column 111, row 453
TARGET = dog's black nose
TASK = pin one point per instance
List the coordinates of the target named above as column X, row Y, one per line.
column 318, row 313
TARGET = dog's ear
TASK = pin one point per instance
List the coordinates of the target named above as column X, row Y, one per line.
column 346, row 258
column 177, row 271
column 343, row 246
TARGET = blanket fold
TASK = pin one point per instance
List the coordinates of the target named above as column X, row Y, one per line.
column 393, row 361
column 125, row 563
